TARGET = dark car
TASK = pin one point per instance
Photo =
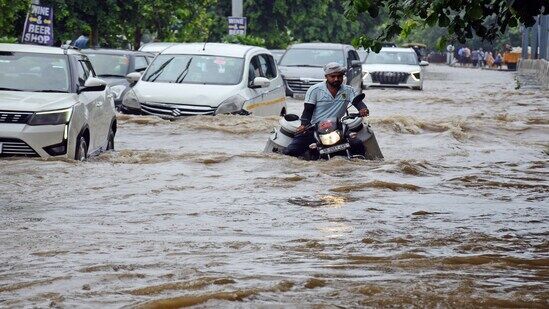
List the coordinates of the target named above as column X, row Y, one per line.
column 112, row 65
column 302, row 66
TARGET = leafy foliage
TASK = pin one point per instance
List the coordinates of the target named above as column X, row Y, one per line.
column 462, row 19
column 278, row 23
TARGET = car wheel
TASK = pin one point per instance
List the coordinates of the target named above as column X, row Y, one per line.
column 110, row 140
column 81, row 153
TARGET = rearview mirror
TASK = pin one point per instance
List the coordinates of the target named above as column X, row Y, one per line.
column 356, row 63
column 133, row 77
column 260, row 82
column 358, row 98
column 423, row 63
column 291, row 117
column 93, row 84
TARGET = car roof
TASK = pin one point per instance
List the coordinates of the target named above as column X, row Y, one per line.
column 214, row 49
column 319, row 45
column 28, row 48
column 108, row 51
column 398, row 49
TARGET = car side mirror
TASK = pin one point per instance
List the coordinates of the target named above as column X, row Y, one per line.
column 133, row 77
column 356, row 63
column 93, row 84
column 423, row 63
column 260, row 82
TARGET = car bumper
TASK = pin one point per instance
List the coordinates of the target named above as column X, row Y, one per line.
column 410, row 82
column 31, row 141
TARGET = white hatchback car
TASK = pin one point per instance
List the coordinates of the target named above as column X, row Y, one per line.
column 207, row 79
column 393, row 67
column 52, row 105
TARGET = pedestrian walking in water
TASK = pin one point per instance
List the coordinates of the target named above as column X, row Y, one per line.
column 467, row 55
column 489, row 59
column 498, row 61
column 480, row 58
column 82, row 41
column 474, row 58
column 461, row 57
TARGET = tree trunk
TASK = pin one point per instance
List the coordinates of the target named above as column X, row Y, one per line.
column 138, row 34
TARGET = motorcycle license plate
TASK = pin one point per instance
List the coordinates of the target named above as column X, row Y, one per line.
column 334, row 148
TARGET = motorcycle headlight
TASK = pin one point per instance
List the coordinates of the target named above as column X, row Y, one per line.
column 130, row 100
column 54, row 117
column 330, row 138
column 416, row 75
column 231, row 105
column 117, row 91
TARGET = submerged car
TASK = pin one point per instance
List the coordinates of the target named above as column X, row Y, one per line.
column 207, row 79
column 52, row 104
column 112, row 65
column 302, row 66
column 393, row 67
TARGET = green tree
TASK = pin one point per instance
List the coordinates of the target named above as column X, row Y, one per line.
column 12, row 15
column 488, row 19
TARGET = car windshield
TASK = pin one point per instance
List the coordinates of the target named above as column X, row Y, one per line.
column 311, row 57
column 195, row 69
column 21, row 71
column 110, row 65
column 390, row 57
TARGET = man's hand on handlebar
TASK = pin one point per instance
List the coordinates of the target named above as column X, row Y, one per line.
column 300, row 129
column 364, row 112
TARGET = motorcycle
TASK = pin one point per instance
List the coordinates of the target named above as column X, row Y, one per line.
column 332, row 136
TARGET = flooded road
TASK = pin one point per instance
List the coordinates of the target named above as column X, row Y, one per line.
column 192, row 212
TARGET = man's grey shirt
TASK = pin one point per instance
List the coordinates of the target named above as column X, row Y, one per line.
column 327, row 106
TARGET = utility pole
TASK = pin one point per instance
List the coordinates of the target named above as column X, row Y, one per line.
column 544, row 37
column 534, row 38
column 525, row 41
column 237, row 8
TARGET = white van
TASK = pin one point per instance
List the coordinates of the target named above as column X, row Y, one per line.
column 208, row 79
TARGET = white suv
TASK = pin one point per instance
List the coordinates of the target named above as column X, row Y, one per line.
column 52, row 105
column 393, row 67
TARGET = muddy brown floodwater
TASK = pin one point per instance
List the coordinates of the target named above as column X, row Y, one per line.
column 191, row 212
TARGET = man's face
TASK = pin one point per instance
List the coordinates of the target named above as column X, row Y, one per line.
column 335, row 79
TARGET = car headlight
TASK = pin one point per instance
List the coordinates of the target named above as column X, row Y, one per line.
column 130, row 100
column 54, row 117
column 364, row 73
column 330, row 138
column 231, row 105
column 416, row 75
column 118, row 90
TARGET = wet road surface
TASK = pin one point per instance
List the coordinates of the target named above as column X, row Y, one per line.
column 192, row 212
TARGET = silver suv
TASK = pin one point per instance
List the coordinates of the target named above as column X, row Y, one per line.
column 302, row 66
column 52, row 104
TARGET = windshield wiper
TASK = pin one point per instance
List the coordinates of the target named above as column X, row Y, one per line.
column 160, row 69
column 10, row 89
column 110, row 75
column 181, row 77
column 304, row 65
column 50, row 90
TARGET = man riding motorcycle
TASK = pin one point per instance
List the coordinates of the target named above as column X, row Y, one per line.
column 326, row 100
